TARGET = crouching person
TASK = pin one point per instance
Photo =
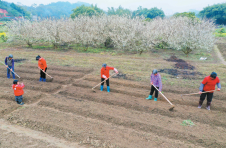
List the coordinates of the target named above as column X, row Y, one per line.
column 155, row 80
column 208, row 84
column 105, row 76
column 18, row 92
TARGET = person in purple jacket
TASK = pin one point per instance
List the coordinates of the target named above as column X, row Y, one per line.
column 157, row 82
column 9, row 61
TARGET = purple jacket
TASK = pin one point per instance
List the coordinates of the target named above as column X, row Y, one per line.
column 156, row 81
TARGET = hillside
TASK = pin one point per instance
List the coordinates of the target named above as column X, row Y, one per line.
column 56, row 10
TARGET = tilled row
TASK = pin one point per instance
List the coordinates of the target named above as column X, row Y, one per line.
column 218, row 104
column 7, row 107
column 88, row 131
column 31, row 85
column 216, row 118
column 140, row 121
column 60, row 68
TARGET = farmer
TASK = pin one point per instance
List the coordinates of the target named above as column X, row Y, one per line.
column 43, row 67
column 9, row 61
column 18, row 91
column 105, row 75
column 155, row 80
column 208, row 84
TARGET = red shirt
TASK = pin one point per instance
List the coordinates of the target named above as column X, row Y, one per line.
column 18, row 89
column 42, row 63
column 105, row 71
column 210, row 84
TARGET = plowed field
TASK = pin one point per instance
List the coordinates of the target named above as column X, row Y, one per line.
column 65, row 112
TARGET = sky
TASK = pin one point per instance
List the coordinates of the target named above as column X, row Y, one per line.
column 168, row 6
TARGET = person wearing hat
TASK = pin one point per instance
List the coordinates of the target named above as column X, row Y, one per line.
column 208, row 84
column 155, row 80
column 9, row 61
column 42, row 65
column 105, row 76
column 18, row 91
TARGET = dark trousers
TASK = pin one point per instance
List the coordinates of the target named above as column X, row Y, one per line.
column 107, row 81
column 42, row 74
column 209, row 97
column 19, row 99
column 156, row 91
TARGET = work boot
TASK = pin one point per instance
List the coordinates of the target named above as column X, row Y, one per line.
column 155, row 99
column 44, row 80
column 149, row 97
column 108, row 88
column 101, row 87
column 208, row 105
column 200, row 104
column 40, row 80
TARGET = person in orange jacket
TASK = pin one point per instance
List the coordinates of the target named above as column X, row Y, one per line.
column 105, row 76
column 18, row 91
column 42, row 65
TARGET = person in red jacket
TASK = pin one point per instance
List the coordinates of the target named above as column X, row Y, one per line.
column 18, row 91
column 105, row 76
column 208, row 84
column 42, row 65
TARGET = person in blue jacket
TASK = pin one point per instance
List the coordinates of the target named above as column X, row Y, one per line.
column 9, row 62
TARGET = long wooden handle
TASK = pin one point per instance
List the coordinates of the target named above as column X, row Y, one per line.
column 197, row 93
column 10, row 69
column 104, row 80
column 163, row 95
column 45, row 72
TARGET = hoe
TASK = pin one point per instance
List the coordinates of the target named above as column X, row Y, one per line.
column 46, row 74
column 9, row 69
column 196, row 93
column 102, row 82
column 172, row 106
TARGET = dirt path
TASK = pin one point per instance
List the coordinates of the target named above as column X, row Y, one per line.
column 219, row 55
column 34, row 137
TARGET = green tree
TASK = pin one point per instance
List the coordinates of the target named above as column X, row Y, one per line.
column 216, row 12
column 149, row 13
column 185, row 14
column 20, row 10
column 118, row 11
column 86, row 10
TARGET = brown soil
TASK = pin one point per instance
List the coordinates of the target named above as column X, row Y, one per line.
column 66, row 110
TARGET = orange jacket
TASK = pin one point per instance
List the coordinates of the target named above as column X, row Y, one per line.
column 18, row 89
column 105, row 71
column 42, row 63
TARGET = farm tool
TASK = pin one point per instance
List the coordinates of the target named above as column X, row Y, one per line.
column 10, row 69
column 196, row 93
column 46, row 73
column 102, row 82
column 172, row 106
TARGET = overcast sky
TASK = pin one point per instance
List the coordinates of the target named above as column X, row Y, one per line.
column 168, row 6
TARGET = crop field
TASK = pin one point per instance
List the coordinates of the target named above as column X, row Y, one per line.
column 65, row 112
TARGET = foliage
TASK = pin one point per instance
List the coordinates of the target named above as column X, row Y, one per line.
column 149, row 13
column 222, row 30
column 86, row 10
column 216, row 12
column 20, row 10
column 119, row 11
column 185, row 14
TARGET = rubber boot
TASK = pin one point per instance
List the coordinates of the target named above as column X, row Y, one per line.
column 101, row 87
column 44, row 80
column 40, row 80
column 108, row 88
column 149, row 97
column 155, row 99
column 208, row 105
column 200, row 103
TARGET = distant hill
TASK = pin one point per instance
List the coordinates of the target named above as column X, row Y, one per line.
column 57, row 10
column 10, row 10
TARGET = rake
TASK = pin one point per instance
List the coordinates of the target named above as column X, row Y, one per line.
column 172, row 106
column 102, row 82
column 10, row 69
column 46, row 73
column 196, row 93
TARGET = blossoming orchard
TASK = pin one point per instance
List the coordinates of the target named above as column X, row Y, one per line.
column 124, row 32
